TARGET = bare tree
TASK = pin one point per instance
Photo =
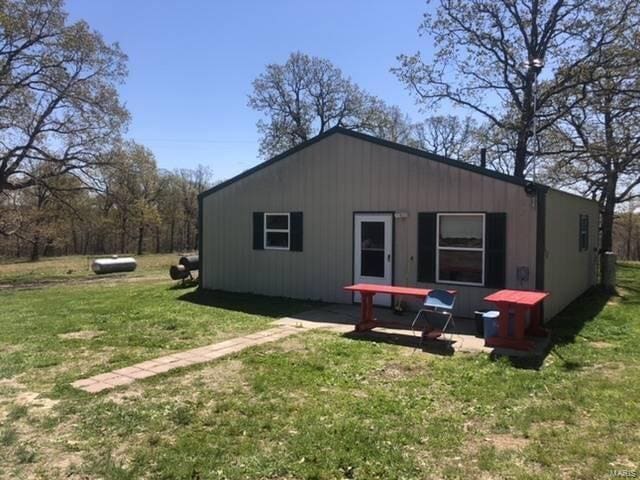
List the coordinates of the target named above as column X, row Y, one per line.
column 391, row 123
column 489, row 53
column 58, row 100
column 597, row 143
column 306, row 96
column 448, row 136
column 132, row 184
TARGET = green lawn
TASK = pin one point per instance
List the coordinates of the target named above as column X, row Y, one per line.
column 77, row 268
column 316, row 405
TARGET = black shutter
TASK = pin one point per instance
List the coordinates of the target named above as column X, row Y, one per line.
column 258, row 230
column 295, row 231
column 495, row 267
column 583, row 233
column 427, row 247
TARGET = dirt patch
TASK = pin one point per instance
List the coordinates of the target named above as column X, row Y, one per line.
column 106, row 281
column 224, row 376
column 611, row 370
column 110, row 282
column 600, row 344
column 17, row 394
column 10, row 384
column 506, row 441
column 624, row 463
column 547, row 425
column 51, row 452
column 66, row 462
column 393, row 371
column 293, row 344
column 9, row 348
column 81, row 335
column 127, row 395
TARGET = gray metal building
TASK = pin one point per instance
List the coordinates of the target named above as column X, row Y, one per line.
column 346, row 207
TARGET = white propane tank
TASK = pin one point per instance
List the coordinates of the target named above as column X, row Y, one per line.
column 114, row 264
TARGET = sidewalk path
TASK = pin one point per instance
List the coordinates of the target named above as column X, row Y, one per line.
column 123, row 376
column 336, row 318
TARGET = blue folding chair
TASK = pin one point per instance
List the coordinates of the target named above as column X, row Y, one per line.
column 440, row 302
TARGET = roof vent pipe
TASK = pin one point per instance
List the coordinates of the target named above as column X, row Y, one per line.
column 483, row 157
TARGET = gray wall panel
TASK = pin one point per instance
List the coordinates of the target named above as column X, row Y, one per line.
column 328, row 181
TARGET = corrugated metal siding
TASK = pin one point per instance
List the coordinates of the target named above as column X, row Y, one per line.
column 568, row 272
column 330, row 180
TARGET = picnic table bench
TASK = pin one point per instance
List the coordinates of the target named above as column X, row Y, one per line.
column 519, row 302
column 368, row 290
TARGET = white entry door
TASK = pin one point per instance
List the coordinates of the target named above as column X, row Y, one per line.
column 373, row 251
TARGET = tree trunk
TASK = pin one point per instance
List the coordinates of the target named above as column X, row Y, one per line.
column 172, row 242
column 35, row 248
column 100, row 244
column 48, row 248
column 157, row 239
column 187, row 227
column 74, row 239
column 609, row 207
column 140, row 238
column 524, row 132
column 520, row 157
column 607, row 230
column 123, row 235
column 630, row 235
column 608, row 213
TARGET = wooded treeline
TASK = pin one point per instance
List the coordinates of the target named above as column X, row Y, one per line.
column 626, row 233
column 70, row 182
column 133, row 207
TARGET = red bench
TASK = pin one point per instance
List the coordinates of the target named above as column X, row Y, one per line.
column 368, row 290
column 518, row 301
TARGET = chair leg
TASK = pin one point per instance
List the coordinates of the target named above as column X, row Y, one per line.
column 449, row 320
column 413, row 324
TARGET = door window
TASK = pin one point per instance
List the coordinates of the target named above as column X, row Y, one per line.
column 372, row 249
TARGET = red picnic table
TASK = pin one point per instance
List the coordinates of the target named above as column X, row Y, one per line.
column 368, row 290
column 518, row 301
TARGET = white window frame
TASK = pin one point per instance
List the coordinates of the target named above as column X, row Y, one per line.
column 277, row 230
column 585, row 217
column 463, row 249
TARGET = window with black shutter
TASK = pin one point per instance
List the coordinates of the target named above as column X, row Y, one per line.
column 296, row 231
column 277, row 231
column 496, row 250
column 258, row 230
column 427, row 247
column 462, row 248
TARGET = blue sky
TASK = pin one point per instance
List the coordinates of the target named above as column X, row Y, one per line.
column 191, row 64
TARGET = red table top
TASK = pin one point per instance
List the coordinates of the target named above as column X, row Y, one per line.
column 390, row 289
column 520, row 297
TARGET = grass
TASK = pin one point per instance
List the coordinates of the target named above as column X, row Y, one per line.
column 78, row 267
column 317, row 405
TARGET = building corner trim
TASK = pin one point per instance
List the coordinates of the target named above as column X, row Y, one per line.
column 200, row 252
column 541, row 221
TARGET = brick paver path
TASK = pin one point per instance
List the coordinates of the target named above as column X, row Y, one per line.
column 345, row 316
column 124, row 376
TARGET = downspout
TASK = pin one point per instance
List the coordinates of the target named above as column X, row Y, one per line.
column 200, row 243
column 541, row 221
column 541, row 247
